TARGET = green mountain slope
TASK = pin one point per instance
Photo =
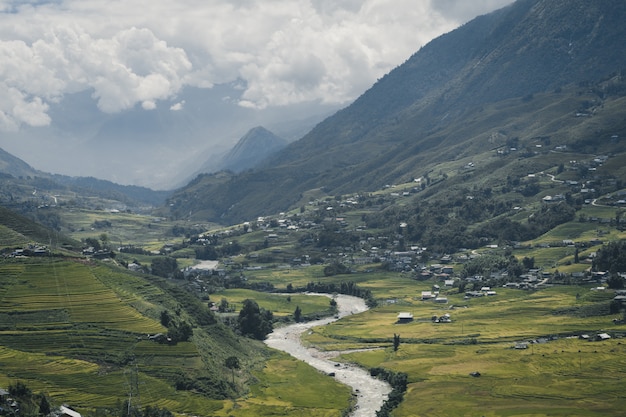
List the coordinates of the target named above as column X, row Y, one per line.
column 17, row 231
column 504, row 78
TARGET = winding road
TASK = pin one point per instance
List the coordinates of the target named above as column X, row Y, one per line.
column 370, row 392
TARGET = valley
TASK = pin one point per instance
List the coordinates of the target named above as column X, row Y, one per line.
column 473, row 200
column 546, row 296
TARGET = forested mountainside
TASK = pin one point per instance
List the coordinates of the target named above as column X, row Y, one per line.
column 505, row 78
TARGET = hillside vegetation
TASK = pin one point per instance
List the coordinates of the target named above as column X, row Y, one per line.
column 90, row 333
column 474, row 197
column 515, row 77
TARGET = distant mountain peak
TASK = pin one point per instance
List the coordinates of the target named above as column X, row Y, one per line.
column 253, row 148
column 256, row 139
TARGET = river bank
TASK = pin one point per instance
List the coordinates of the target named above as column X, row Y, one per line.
column 370, row 392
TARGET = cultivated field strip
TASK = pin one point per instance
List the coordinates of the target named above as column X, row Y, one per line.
column 87, row 384
column 71, row 287
column 11, row 238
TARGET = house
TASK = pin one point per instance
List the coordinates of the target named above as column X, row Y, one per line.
column 427, row 295
column 442, row 319
column 68, row 412
column 404, row 317
column 602, row 336
column 441, row 300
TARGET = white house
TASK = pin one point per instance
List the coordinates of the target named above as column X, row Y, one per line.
column 404, row 317
column 68, row 412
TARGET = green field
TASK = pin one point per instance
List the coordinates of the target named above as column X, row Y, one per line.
column 279, row 304
column 566, row 376
column 124, row 228
column 288, row 387
column 77, row 330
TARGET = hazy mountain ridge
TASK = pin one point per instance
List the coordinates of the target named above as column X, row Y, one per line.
column 14, row 166
column 419, row 113
column 256, row 145
column 21, row 183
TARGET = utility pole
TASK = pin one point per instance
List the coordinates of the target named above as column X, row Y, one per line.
column 133, row 380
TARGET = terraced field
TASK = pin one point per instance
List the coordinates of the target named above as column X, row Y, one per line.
column 77, row 330
column 72, row 288
column 53, row 312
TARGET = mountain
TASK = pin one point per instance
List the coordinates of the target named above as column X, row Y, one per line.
column 252, row 148
column 21, row 182
column 159, row 148
column 12, row 165
column 255, row 146
column 492, row 82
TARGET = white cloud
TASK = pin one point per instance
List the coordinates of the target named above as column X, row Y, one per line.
column 17, row 108
column 177, row 106
column 145, row 51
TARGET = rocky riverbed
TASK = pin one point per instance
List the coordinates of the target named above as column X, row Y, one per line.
column 370, row 392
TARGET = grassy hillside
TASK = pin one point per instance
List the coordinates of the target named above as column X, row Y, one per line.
column 578, row 120
column 17, row 231
column 79, row 330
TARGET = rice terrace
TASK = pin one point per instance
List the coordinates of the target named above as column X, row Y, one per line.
column 84, row 332
column 451, row 243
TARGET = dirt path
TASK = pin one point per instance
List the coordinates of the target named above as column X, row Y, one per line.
column 370, row 392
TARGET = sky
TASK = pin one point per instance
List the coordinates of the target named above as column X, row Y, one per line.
column 142, row 56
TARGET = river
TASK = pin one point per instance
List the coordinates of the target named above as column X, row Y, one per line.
column 370, row 392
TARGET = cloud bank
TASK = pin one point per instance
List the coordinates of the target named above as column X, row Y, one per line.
column 142, row 53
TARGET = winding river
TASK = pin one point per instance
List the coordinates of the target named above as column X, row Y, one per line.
column 370, row 392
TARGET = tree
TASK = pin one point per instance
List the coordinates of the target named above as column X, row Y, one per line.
column 165, row 318
column 616, row 282
column 253, row 321
column 185, row 331
column 94, row 243
column 104, row 238
column 529, row 263
column 336, row 268
column 232, row 363
column 297, row 314
column 20, row 390
column 396, row 342
column 44, row 406
column 224, row 306
column 164, row 266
